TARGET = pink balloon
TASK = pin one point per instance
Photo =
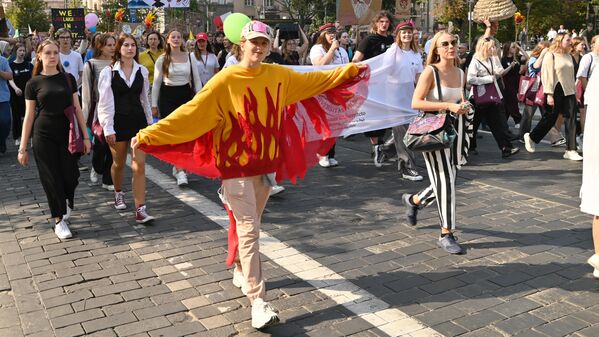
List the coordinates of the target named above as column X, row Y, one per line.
column 91, row 20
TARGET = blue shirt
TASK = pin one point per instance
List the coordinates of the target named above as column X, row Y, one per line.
column 4, row 92
column 532, row 71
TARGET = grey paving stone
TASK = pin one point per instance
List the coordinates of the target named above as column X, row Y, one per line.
column 523, row 322
column 479, row 320
column 115, row 288
column 69, row 331
column 162, row 310
column 178, row 330
column 108, row 322
column 562, row 326
column 78, row 317
column 34, row 322
column 8, row 317
column 142, row 326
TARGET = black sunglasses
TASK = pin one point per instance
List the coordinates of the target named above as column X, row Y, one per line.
column 446, row 44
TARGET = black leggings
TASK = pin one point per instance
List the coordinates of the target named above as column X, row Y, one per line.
column 17, row 106
column 102, row 161
column 567, row 106
column 496, row 121
column 58, row 172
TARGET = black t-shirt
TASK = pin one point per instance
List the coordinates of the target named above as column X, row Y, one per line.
column 293, row 59
column 21, row 73
column 275, row 58
column 374, row 45
column 51, row 95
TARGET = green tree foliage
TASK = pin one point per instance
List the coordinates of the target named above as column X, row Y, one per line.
column 29, row 12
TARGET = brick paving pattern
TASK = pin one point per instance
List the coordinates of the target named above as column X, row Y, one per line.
column 524, row 273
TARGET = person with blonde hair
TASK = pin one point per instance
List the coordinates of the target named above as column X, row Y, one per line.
column 486, row 68
column 440, row 89
column 47, row 95
column 557, row 76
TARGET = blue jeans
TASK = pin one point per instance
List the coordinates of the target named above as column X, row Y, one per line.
column 4, row 124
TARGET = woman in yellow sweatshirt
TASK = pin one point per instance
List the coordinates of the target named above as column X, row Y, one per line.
column 240, row 114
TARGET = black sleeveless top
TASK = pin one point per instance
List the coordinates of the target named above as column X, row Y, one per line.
column 129, row 116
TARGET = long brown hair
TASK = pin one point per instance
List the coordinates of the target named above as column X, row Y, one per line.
column 100, row 42
column 287, row 55
column 433, row 56
column 377, row 17
column 39, row 66
column 536, row 52
column 167, row 51
column 119, row 44
column 575, row 42
column 322, row 40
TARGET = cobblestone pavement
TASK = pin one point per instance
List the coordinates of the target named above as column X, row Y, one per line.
column 338, row 256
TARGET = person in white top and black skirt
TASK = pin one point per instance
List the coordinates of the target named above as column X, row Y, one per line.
column 176, row 80
column 123, row 110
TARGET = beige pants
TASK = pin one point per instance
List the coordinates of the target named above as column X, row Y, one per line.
column 247, row 198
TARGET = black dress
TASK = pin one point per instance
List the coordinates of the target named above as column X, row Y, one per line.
column 57, row 167
column 21, row 73
column 129, row 116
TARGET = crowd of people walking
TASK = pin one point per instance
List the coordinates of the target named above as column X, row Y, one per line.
column 175, row 92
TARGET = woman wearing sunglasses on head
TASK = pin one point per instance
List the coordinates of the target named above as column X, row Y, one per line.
column 441, row 165
column 242, row 113
column 486, row 68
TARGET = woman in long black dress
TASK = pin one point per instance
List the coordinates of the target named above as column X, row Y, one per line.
column 123, row 110
column 49, row 93
column 21, row 73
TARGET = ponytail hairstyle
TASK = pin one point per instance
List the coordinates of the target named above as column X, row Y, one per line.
column 39, row 66
column 119, row 44
column 168, row 51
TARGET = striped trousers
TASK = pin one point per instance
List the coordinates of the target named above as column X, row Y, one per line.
column 441, row 174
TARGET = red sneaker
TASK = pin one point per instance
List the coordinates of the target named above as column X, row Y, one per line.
column 141, row 216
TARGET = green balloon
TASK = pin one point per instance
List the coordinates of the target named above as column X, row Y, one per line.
column 233, row 25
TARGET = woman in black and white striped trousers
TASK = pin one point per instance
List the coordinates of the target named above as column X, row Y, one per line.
column 440, row 88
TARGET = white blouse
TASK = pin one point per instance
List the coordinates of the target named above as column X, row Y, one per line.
column 207, row 67
column 178, row 74
column 106, row 100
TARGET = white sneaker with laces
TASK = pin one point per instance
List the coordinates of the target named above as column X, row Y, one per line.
column 324, row 161
column 263, row 314
column 119, row 200
column 238, row 280
column 333, row 162
column 62, row 230
column 572, row 155
column 181, row 177
column 528, row 143
column 93, row 176
column 276, row 190
column 108, row 187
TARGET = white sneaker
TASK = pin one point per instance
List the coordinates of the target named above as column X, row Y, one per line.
column 17, row 141
column 263, row 315
column 324, row 161
column 62, row 230
column 181, row 177
column 108, row 187
column 528, row 143
column 119, row 200
column 276, row 190
column 572, row 155
column 93, row 176
column 594, row 261
column 333, row 162
column 596, row 273
column 238, row 280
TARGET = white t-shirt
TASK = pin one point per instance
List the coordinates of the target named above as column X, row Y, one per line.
column 408, row 67
column 588, row 60
column 72, row 63
column 207, row 66
column 231, row 60
column 340, row 56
